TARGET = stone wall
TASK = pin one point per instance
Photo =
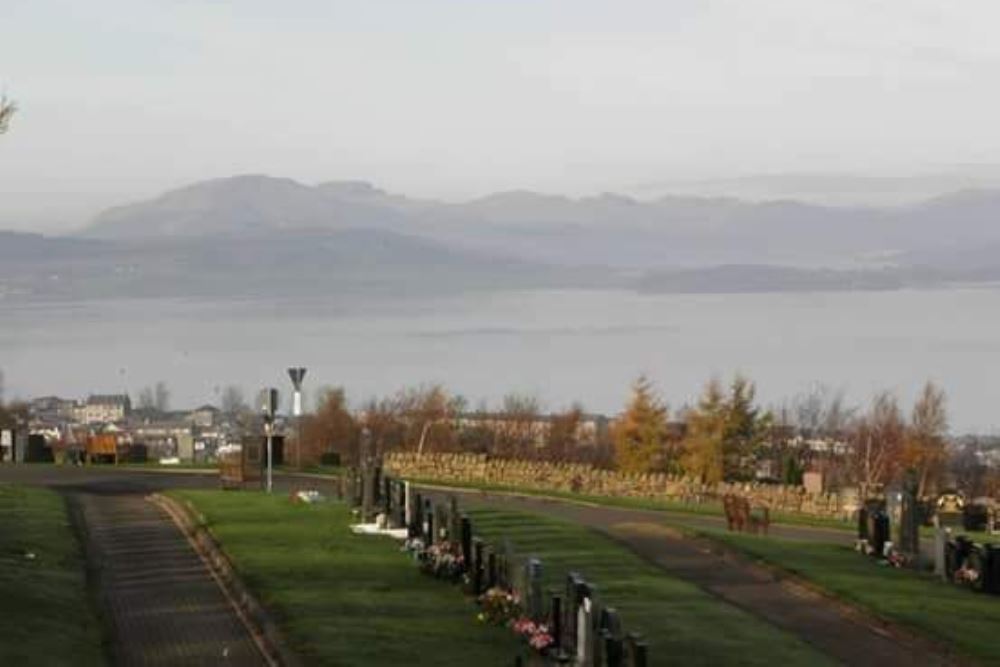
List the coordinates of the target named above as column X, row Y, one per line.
column 481, row 469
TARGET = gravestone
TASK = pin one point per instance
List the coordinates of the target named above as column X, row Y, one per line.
column 388, row 486
column 409, row 508
column 417, row 528
column 584, row 634
column 466, row 532
column 440, row 523
column 477, row 566
column 428, row 527
column 534, row 588
column 879, row 528
column 454, row 519
column 491, row 569
column 556, row 624
column 636, row 649
column 940, row 540
column 909, row 521
column 614, row 650
column 401, row 505
column 367, row 494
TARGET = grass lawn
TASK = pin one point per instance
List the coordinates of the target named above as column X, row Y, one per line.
column 44, row 604
column 683, row 624
column 343, row 599
column 956, row 616
column 700, row 509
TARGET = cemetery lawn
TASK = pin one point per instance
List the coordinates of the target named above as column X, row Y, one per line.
column 952, row 615
column 344, row 599
column 701, row 509
column 43, row 588
column 682, row 623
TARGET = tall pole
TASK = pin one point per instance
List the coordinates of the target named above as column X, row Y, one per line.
column 269, row 407
column 268, row 429
column 297, row 374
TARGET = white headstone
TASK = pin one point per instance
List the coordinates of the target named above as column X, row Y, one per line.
column 584, row 639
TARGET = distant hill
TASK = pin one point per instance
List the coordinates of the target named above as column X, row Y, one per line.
column 606, row 230
column 256, row 235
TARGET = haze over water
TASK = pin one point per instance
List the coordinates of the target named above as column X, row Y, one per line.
column 562, row 346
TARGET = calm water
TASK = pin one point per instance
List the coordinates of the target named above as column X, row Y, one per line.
column 559, row 345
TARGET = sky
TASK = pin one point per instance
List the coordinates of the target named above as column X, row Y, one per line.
column 123, row 99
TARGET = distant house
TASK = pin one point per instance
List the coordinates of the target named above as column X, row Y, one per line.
column 204, row 417
column 52, row 410
column 104, row 408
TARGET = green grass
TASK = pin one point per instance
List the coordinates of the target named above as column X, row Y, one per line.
column 956, row 616
column 46, row 613
column 696, row 509
column 683, row 624
column 343, row 599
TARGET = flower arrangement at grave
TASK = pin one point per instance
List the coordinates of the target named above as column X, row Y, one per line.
column 499, row 606
column 536, row 634
column 443, row 560
column 414, row 546
column 966, row 574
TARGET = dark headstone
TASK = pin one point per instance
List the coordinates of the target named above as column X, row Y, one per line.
column 491, row 569
column 556, row 622
column 466, row 531
column 614, row 651
column 909, row 520
column 477, row 566
column 534, row 588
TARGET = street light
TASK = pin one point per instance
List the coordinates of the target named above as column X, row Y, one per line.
column 268, row 409
column 297, row 375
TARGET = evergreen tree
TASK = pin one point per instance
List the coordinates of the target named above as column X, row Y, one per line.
column 705, row 438
column 640, row 433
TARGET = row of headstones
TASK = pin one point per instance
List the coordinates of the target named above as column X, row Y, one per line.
column 582, row 632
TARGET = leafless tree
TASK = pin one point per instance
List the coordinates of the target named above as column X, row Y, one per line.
column 876, row 443
column 233, row 401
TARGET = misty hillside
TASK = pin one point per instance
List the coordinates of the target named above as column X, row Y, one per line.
column 606, row 230
column 259, row 235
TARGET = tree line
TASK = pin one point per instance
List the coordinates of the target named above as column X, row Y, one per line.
column 726, row 435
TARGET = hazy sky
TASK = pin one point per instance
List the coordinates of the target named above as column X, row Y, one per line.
column 124, row 98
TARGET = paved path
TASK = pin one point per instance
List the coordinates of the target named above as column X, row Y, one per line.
column 160, row 601
column 829, row 626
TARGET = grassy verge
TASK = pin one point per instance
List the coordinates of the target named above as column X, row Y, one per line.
column 46, row 612
column 680, row 621
column 700, row 509
column 343, row 599
column 944, row 612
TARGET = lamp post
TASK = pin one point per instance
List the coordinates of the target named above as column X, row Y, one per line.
column 268, row 408
column 297, row 375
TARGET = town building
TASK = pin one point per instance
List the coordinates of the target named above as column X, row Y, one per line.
column 104, row 409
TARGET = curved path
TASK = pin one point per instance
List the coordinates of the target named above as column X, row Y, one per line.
column 166, row 609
